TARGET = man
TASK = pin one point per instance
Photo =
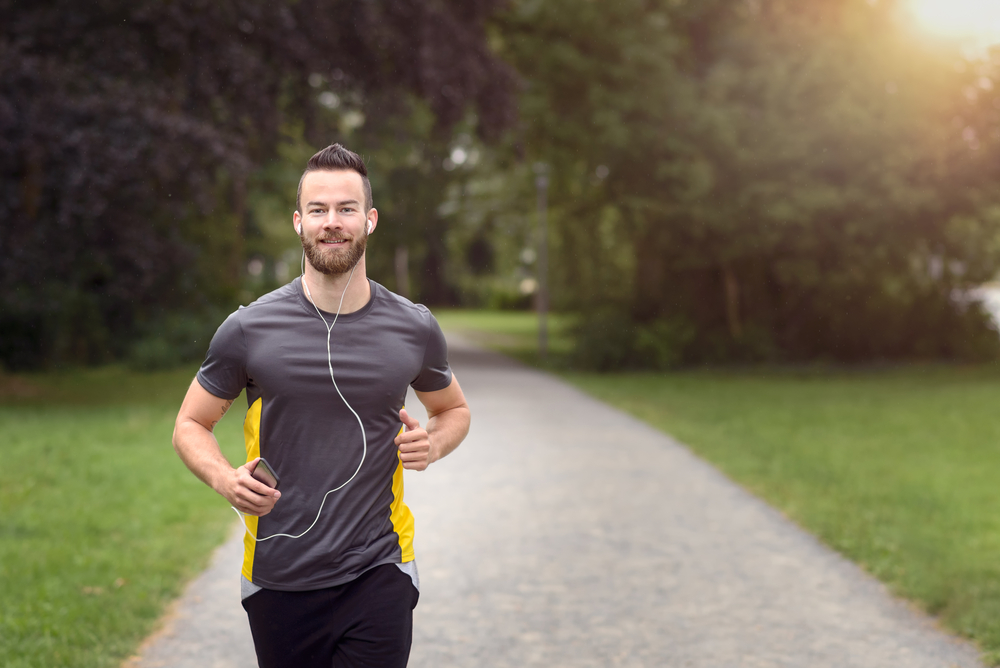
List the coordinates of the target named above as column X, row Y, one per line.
column 329, row 577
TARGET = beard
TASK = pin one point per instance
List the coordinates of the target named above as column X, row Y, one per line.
column 334, row 261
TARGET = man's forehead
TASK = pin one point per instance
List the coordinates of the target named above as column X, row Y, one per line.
column 340, row 181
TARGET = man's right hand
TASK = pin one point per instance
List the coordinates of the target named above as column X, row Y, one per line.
column 249, row 495
column 195, row 443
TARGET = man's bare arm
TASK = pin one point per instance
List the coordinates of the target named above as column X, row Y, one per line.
column 198, row 448
column 448, row 419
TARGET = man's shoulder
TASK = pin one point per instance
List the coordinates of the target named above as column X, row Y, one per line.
column 400, row 305
column 276, row 299
column 286, row 292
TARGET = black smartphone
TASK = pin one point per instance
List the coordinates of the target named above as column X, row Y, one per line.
column 266, row 474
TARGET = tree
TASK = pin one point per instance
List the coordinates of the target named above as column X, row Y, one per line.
column 128, row 132
column 759, row 180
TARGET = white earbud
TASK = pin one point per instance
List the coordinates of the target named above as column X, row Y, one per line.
column 369, row 227
column 299, row 228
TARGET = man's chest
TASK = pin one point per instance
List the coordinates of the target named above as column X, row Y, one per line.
column 369, row 365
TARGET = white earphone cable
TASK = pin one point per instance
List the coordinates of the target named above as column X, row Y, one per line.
column 329, row 360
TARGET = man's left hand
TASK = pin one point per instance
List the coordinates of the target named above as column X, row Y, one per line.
column 414, row 444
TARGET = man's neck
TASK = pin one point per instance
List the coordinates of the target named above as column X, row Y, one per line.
column 326, row 291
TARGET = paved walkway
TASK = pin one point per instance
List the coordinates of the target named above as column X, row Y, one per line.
column 564, row 533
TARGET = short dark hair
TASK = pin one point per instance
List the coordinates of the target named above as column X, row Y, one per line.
column 332, row 158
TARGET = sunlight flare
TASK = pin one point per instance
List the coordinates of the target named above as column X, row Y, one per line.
column 969, row 19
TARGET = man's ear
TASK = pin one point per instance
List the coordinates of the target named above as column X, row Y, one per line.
column 372, row 220
column 297, row 223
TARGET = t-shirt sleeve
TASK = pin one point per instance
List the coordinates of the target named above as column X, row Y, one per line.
column 435, row 374
column 224, row 371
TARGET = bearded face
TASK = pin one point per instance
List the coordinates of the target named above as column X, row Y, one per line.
column 334, row 254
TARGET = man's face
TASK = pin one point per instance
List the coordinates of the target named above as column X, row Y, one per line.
column 333, row 220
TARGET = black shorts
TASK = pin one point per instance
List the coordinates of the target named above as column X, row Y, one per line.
column 365, row 622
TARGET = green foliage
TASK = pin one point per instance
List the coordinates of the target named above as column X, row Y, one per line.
column 407, row 165
column 173, row 340
column 446, row 198
column 792, row 180
column 608, row 340
column 100, row 522
column 130, row 131
column 789, row 180
column 605, row 341
column 662, row 344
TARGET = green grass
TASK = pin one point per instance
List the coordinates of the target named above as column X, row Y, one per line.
column 100, row 522
column 514, row 333
column 898, row 469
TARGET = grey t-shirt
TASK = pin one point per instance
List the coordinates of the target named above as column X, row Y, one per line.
column 276, row 349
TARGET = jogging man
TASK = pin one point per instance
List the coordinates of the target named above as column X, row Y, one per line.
column 329, row 577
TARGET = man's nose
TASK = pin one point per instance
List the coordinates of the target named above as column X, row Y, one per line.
column 332, row 220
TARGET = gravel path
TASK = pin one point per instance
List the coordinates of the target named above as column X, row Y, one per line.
column 564, row 533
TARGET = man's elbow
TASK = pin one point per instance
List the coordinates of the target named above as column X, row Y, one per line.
column 181, row 429
column 466, row 414
column 175, row 437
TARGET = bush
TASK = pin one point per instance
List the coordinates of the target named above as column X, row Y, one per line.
column 603, row 341
column 21, row 342
column 609, row 340
column 172, row 340
column 662, row 344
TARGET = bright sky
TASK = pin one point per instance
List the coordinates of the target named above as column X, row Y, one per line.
column 976, row 20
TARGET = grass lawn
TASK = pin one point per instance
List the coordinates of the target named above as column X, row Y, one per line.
column 100, row 522
column 898, row 469
column 514, row 333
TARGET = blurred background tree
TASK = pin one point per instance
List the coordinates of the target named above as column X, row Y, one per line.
column 761, row 180
column 131, row 133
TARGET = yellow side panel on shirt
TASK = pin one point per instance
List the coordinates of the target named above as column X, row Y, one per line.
column 400, row 515
column 251, row 436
